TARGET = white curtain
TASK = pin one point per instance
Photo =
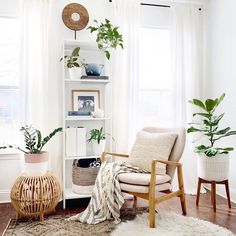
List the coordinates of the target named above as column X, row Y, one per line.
column 40, row 77
column 124, row 73
column 187, row 60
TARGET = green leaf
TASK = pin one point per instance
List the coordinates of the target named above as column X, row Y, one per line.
column 198, row 103
column 193, row 129
column 75, row 52
column 203, row 114
column 210, row 104
column 220, row 99
column 107, row 54
column 223, row 131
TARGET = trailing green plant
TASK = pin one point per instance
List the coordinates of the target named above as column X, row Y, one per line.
column 34, row 142
column 108, row 36
column 97, row 135
column 209, row 126
column 72, row 60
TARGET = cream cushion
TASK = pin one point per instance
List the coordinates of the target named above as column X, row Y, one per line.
column 149, row 146
column 142, row 179
column 143, row 189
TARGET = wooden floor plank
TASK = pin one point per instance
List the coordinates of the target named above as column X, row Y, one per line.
column 224, row 216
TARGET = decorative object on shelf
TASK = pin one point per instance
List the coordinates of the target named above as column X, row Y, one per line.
column 99, row 113
column 84, row 77
column 98, row 140
column 75, row 17
column 35, row 196
column 108, row 36
column 85, row 101
column 84, row 174
column 36, row 160
column 213, row 191
column 93, row 69
column 213, row 162
column 71, row 62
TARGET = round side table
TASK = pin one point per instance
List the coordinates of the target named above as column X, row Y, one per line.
column 35, row 196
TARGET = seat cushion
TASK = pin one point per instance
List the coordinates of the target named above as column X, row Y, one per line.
column 149, row 146
column 142, row 179
column 143, row 189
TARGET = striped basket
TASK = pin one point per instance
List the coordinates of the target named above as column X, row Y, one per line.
column 83, row 178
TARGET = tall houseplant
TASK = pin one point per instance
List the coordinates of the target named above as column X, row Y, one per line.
column 108, row 36
column 36, row 160
column 71, row 62
column 98, row 140
column 213, row 161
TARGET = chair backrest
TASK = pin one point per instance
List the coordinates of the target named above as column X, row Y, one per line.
column 178, row 147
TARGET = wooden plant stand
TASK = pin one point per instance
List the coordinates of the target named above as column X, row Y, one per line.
column 213, row 191
column 35, row 196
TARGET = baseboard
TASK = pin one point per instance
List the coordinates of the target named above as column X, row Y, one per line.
column 5, row 196
column 221, row 192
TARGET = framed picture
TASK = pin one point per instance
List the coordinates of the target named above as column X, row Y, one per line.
column 85, row 101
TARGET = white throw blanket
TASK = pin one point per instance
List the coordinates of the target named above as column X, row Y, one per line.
column 107, row 198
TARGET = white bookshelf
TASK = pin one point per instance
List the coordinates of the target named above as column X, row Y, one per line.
column 91, row 54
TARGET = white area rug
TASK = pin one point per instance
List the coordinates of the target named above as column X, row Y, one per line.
column 169, row 224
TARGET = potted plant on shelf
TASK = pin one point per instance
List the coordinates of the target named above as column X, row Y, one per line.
column 98, row 140
column 71, row 62
column 213, row 161
column 108, row 36
column 36, row 160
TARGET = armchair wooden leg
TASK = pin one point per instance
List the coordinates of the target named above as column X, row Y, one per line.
column 152, row 212
column 181, row 188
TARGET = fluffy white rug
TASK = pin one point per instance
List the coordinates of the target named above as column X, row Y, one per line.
column 169, row 224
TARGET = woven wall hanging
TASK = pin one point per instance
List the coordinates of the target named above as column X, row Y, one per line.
column 75, row 16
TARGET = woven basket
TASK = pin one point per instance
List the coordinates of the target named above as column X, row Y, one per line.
column 83, row 178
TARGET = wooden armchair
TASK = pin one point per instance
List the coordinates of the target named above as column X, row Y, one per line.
column 147, row 186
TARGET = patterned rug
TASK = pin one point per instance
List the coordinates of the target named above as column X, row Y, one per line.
column 58, row 226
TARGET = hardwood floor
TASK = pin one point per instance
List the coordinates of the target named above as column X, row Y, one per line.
column 224, row 216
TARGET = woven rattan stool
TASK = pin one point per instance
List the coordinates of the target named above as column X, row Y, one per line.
column 35, row 196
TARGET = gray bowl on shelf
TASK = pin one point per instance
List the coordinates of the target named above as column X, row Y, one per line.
column 93, row 69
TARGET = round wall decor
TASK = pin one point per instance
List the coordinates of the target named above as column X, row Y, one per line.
column 75, row 16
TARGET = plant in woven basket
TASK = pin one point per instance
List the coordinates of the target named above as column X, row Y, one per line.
column 209, row 126
column 108, row 36
column 34, row 142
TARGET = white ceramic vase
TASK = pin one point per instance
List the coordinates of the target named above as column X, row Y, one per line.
column 213, row 168
column 98, row 148
column 75, row 72
column 36, row 164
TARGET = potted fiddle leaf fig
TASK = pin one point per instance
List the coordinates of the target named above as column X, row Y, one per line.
column 108, row 36
column 98, row 140
column 213, row 161
column 71, row 62
column 36, row 160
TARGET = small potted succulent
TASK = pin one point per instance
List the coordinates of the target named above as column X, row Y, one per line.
column 213, row 161
column 36, row 160
column 108, row 36
column 98, row 140
column 71, row 62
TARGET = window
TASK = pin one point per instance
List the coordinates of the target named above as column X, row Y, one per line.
column 9, row 80
column 155, row 88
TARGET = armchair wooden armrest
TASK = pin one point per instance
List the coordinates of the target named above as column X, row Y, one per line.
column 105, row 154
column 172, row 163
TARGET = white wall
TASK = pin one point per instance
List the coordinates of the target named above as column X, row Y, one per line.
column 221, row 69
